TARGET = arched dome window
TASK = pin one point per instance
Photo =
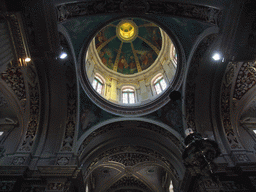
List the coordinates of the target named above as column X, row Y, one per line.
column 98, row 84
column 128, row 95
column 159, row 84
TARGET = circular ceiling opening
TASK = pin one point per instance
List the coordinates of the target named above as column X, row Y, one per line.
column 127, row 31
column 129, row 67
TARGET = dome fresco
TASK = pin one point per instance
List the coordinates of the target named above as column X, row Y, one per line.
column 129, row 46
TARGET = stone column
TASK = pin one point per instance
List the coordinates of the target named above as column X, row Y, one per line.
column 90, row 70
column 169, row 71
column 143, row 90
column 113, row 93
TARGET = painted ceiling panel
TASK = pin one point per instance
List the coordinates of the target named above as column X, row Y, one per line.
column 122, row 52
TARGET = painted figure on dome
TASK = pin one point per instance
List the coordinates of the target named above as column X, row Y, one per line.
column 100, row 38
column 156, row 37
column 122, row 63
column 150, row 58
column 106, row 58
column 144, row 60
column 132, row 64
column 110, row 63
column 103, row 57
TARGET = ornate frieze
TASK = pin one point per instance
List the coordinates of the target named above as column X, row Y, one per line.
column 18, row 160
column 34, row 106
column 233, row 186
column 6, row 185
column 191, row 80
column 128, row 182
column 241, row 158
column 131, row 155
column 63, row 161
column 245, row 80
column 17, row 34
column 129, row 159
column 203, row 13
column 208, row 185
column 67, row 143
column 33, row 188
column 13, row 76
column 117, row 125
column 226, row 106
column 56, row 186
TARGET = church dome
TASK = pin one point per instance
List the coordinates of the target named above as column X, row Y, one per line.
column 130, row 66
column 129, row 46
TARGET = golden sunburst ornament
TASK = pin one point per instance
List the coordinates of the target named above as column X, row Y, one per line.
column 127, row 31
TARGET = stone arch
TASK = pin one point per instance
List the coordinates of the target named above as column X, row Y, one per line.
column 129, row 143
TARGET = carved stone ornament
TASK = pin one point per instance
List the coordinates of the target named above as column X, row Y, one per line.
column 6, row 185
column 56, row 186
column 17, row 36
column 242, row 158
column 203, row 13
column 225, row 98
column 18, row 161
column 128, row 182
column 141, row 125
column 129, row 159
column 68, row 140
column 63, row 161
column 34, row 101
column 130, row 155
column 233, row 186
column 13, row 76
column 245, row 80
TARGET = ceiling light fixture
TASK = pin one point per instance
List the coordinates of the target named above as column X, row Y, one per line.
column 63, row 55
column 216, row 56
column 27, row 59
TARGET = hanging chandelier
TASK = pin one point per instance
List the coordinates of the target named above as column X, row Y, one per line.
column 199, row 154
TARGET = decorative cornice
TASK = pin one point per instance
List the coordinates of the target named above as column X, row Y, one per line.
column 67, row 171
column 12, row 170
column 203, row 13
